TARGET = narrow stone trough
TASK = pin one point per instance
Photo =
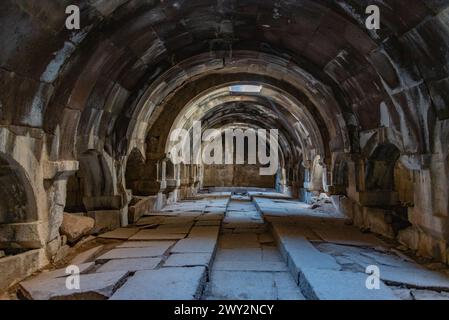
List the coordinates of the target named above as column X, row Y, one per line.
column 248, row 265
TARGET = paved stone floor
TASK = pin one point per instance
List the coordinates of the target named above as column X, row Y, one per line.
column 250, row 246
column 248, row 264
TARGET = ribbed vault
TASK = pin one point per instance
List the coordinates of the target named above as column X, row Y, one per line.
column 106, row 97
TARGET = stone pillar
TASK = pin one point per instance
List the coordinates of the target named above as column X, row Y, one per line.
column 55, row 176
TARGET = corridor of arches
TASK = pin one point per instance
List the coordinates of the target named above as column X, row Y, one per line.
column 224, row 149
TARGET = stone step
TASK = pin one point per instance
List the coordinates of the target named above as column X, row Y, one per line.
column 319, row 275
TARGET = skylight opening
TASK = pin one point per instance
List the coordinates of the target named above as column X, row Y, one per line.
column 245, row 88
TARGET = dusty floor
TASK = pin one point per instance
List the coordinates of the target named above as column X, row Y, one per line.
column 256, row 246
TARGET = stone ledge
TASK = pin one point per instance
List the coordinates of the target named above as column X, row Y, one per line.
column 16, row 268
column 21, row 235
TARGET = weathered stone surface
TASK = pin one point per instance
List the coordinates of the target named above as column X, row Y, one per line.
column 15, row 268
column 156, row 235
column 97, row 286
column 75, row 227
column 61, row 273
column 150, row 220
column 131, row 265
column 86, row 256
column 188, row 260
column 243, row 285
column 415, row 277
column 239, row 254
column 195, row 245
column 269, row 266
column 429, row 295
column 300, row 253
column 206, row 232
column 146, row 244
column 22, row 235
column 166, row 284
column 203, row 223
column 348, row 236
column 142, row 207
column 230, row 241
column 322, row 284
column 127, row 253
column 106, row 220
column 120, row 233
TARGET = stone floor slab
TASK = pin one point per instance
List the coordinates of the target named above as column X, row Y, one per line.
column 87, row 255
column 145, row 244
column 120, row 233
column 242, row 285
column 239, row 254
column 319, row 284
column 98, row 286
column 151, row 235
column 188, row 260
column 163, row 284
column 128, row 253
column 131, row 265
column 61, row 273
column 348, row 236
column 416, row 277
column 249, row 266
column 230, row 241
column 195, row 245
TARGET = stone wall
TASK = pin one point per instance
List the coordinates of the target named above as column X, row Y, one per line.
column 236, row 176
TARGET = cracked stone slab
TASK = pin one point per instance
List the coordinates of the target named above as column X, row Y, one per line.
column 247, row 285
column 283, row 230
column 269, row 266
column 195, row 245
column 206, row 232
column 242, row 285
column 173, row 229
column 320, row 284
column 150, row 220
column 266, row 238
column 158, row 235
column 127, row 253
column 239, row 254
column 429, row 295
column 188, row 260
column 162, row 214
column 300, row 253
column 203, row 223
column 86, row 255
column 180, row 220
column 271, row 254
column 348, row 236
column 286, row 288
column 98, row 286
column 61, row 273
column 131, row 265
column 230, row 241
column 210, row 217
column 145, row 244
column 415, row 277
column 163, row 284
column 120, row 233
